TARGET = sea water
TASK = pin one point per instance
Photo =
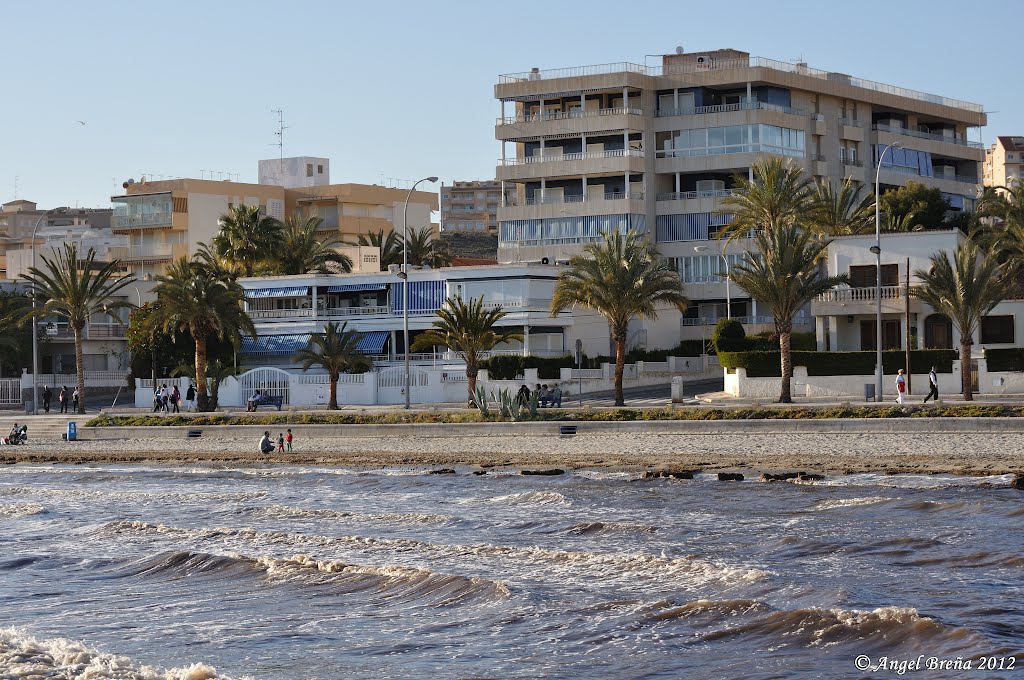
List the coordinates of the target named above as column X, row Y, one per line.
column 287, row 572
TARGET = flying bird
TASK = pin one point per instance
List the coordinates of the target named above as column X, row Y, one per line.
column 82, row 122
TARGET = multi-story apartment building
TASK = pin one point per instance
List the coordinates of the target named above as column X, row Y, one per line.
column 166, row 219
column 20, row 218
column 1004, row 162
column 626, row 146
column 471, row 206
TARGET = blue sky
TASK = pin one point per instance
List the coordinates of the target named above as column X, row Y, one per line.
column 405, row 90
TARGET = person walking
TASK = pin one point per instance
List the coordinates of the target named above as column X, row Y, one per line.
column 74, row 401
column 176, row 399
column 63, row 399
column 47, row 394
column 190, row 398
column 901, row 387
column 288, row 439
column 933, row 386
column 164, row 398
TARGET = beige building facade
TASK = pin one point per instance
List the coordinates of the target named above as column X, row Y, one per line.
column 471, row 206
column 1004, row 162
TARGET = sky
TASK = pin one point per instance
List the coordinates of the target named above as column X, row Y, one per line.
column 98, row 92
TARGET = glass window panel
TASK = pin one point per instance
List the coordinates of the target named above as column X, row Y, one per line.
column 716, row 137
column 734, row 135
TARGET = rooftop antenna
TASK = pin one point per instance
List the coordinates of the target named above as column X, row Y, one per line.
column 280, row 138
column 15, row 187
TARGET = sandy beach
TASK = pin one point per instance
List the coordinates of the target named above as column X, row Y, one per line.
column 967, row 453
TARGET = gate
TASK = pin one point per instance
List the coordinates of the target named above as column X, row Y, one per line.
column 10, row 391
column 391, row 385
column 270, row 381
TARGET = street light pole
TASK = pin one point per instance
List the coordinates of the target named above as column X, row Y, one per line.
column 877, row 250
column 405, row 284
column 35, row 320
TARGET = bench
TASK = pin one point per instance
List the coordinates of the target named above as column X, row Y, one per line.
column 265, row 400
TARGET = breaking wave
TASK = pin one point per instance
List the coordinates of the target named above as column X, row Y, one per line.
column 24, row 656
column 20, row 510
column 532, row 498
column 849, row 502
column 292, row 512
column 611, row 527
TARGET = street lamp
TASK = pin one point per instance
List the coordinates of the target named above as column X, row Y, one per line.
column 877, row 250
column 728, row 294
column 35, row 324
column 405, row 278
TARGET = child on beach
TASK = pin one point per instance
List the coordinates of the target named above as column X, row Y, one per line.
column 288, row 439
column 280, row 443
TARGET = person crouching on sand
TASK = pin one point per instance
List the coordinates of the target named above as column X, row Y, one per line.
column 266, row 446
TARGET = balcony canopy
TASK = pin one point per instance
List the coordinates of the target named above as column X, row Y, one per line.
column 349, row 287
column 371, row 342
column 295, row 291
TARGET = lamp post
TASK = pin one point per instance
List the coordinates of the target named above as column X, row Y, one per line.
column 877, row 250
column 405, row 278
column 728, row 294
column 35, row 321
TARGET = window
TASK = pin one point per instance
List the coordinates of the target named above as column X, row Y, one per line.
column 890, row 335
column 864, row 276
column 997, row 329
column 309, row 169
column 319, row 169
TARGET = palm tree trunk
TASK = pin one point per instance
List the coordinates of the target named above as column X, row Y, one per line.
column 965, row 369
column 332, row 402
column 472, row 371
column 203, row 402
column 785, row 338
column 620, row 366
column 79, row 368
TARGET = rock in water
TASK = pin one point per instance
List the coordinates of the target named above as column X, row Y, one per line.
column 668, row 474
column 554, row 471
column 730, row 476
column 781, row 477
column 1018, row 481
column 443, row 471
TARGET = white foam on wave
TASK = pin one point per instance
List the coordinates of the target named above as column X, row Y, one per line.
column 20, row 509
column 293, row 512
column 24, row 656
column 849, row 502
column 125, row 495
column 908, row 481
column 532, row 498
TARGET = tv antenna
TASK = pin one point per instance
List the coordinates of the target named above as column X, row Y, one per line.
column 280, row 136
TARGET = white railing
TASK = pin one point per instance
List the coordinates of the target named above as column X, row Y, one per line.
column 573, row 72
column 375, row 310
column 555, row 199
column 160, row 219
column 92, row 378
column 927, row 135
column 725, row 108
column 685, row 195
column 10, row 391
column 61, row 330
column 562, row 115
column 140, row 252
column 454, row 377
column 279, row 313
column 325, row 379
column 862, row 294
column 798, row 320
column 589, row 155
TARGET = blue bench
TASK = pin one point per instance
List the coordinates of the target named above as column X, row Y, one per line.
column 267, row 400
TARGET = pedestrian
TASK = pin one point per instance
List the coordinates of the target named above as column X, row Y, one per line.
column 544, row 396
column 523, row 395
column 63, row 399
column 46, row 398
column 157, row 401
column 74, row 401
column 176, row 399
column 901, row 387
column 164, row 398
column 933, row 386
column 190, row 398
column 280, row 443
column 265, row 444
column 555, row 396
column 288, row 439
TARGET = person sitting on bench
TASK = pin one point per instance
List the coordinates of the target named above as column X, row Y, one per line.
column 253, row 401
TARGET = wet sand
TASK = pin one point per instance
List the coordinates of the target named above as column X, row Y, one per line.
column 922, row 453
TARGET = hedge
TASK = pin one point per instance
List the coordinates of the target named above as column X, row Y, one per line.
column 508, row 366
column 764, row 364
column 1005, row 359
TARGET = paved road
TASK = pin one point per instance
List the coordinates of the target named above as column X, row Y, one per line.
column 649, row 397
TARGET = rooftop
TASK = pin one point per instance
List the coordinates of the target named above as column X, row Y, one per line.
column 1013, row 143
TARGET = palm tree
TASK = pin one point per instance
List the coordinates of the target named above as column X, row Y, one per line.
column 217, row 266
column 304, row 251
column 216, row 372
column 1004, row 205
column 190, row 298
column 468, row 329
column 621, row 277
column 841, row 211
column 778, row 195
column 785, row 277
column 247, row 237
column 424, row 249
column 75, row 290
column 965, row 290
column 336, row 349
column 390, row 246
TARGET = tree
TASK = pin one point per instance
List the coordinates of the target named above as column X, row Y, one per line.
column 390, row 246
column 217, row 371
column 424, row 249
column 222, row 267
column 468, row 329
column 190, row 298
column 75, row 290
column 336, row 349
column 1005, row 209
column 304, row 251
column 621, row 278
column 248, row 238
column 779, row 195
column 926, row 204
column 785, row 277
column 15, row 333
column 965, row 289
column 842, row 210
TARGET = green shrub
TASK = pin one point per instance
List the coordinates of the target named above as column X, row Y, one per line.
column 729, row 336
column 1005, row 359
column 767, row 364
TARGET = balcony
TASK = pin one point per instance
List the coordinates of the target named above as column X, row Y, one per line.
column 917, row 134
column 374, row 310
column 567, row 115
column 952, row 180
column 591, row 163
column 62, row 331
column 798, row 320
column 724, row 108
column 862, row 294
column 557, row 199
column 141, row 221
column 163, row 251
column 560, row 158
column 688, row 195
column 562, row 123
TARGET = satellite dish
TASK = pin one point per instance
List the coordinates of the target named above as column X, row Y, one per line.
column 679, row 49
column 128, row 183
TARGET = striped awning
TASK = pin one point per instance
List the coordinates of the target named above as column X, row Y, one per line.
column 372, row 342
column 275, row 344
column 347, row 287
column 295, row 291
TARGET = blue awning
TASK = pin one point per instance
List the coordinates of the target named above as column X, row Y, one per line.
column 346, row 287
column 275, row 344
column 372, row 342
column 295, row 291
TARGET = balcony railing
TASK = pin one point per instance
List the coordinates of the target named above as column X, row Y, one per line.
column 153, row 252
column 161, row 219
column 686, row 195
column 798, row 320
column 927, row 135
column 563, row 115
column 851, row 122
column 899, row 169
column 589, row 155
column 92, row 331
column 852, row 161
column 256, row 314
column 574, row 198
column 375, row 310
column 816, row 156
column 724, row 108
column 862, row 294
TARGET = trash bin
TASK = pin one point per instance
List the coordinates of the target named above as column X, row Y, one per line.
column 869, row 391
column 72, row 433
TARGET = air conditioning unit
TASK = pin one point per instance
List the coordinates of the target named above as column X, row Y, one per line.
column 707, row 185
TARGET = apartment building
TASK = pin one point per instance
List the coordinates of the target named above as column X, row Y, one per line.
column 20, row 218
column 656, row 148
column 1004, row 162
column 165, row 219
column 471, row 206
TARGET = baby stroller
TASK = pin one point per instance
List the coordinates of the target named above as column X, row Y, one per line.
column 18, row 435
